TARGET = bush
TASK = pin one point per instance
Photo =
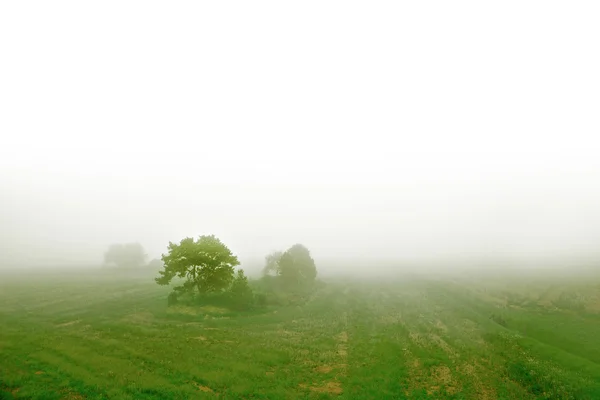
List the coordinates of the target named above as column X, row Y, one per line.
column 172, row 299
column 275, row 291
column 260, row 299
column 240, row 293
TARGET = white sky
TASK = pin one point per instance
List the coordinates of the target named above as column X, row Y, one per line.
column 404, row 129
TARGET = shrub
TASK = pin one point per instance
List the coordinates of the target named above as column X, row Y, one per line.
column 172, row 299
column 240, row 293
column 260, row 299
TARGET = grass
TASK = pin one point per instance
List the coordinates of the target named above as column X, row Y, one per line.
column 97, row 336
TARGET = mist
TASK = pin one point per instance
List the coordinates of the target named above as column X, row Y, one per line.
column 292, row 200
column 395, row 134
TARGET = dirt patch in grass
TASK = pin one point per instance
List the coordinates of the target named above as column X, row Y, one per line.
column 68, row 323
column 140, row 318
column 442, row 374
column 39, row 372
column 415, row 370
column 185, row 310
column 202, row 338
column 429, row 379
column 474, row 372
column 443, row 345
column 442, row 377
column 67, row 395
column 329, row 387
column 468, row 370
column 212, row 317
column 283, row 332
column 417, row 339
column 203, row 388
column 390, row 319
column 415, row 364
column 209, row 312
column 213, row 310
column 324, row 369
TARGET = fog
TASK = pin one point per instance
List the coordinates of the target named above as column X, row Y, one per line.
column 408, row 132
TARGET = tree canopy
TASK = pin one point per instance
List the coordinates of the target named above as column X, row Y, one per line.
column 125, row 255
column 206, row 263
column 272, row 263
column 241, row 293
column 294, row 266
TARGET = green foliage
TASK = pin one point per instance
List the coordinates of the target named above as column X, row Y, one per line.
column 125, row 255
column 288, row 277
column 172, row 299
column 260, row 299
column 274, row 291
column 295, row 267
column 272, row 263
column 543, row 383
column 239, row 286
column 240, row 292
column 206, row 264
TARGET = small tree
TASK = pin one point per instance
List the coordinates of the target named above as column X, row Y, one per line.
column 125, row 255
column 240, row 291
column 206, row 264
column 296, row 266
column 272, row 263
column 155, row 264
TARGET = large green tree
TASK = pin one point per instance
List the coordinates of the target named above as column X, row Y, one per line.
column 206, row 264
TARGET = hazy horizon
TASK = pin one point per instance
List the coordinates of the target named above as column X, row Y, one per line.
column 394, row 132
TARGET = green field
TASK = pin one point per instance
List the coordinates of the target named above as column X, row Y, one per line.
column 100, row 336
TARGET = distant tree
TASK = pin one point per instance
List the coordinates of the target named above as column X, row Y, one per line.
column 272, row 263
column 296, row 266
column 155, row 264
column 206, row 264
column 125, row 255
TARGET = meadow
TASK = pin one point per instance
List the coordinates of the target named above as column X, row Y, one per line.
column 112, row 336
